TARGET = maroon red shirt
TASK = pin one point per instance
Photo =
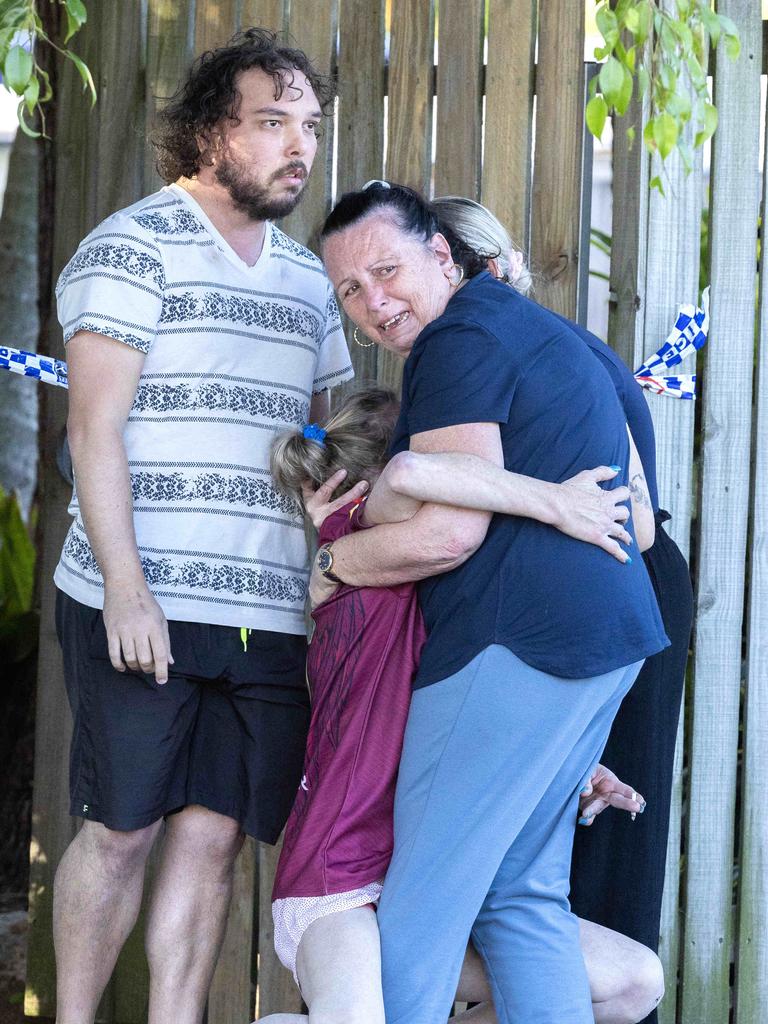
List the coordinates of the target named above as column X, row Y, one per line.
column 361, row 662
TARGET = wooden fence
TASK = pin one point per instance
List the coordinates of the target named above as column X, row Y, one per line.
column 424, row 100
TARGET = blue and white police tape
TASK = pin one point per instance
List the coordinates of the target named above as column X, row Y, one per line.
column 31, row 364
column 687, row 336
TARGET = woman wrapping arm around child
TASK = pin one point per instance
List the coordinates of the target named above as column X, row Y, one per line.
column 362, row 659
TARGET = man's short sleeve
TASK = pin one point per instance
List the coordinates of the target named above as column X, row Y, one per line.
column 462, row 373
column 113, row 285
column 333, row 363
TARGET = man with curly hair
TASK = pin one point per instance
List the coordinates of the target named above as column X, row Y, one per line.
column 194, row 329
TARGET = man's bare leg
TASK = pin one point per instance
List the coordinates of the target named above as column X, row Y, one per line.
column 625, row 978
column 97, row 895
column 188, row 912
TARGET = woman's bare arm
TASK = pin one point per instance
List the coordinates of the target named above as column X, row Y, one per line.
column 642, row 509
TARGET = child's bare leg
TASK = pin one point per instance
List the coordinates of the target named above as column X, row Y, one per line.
column 283, row 1018
column 339, row 968
column 625, row 978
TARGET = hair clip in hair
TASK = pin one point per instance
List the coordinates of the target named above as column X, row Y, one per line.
column 314, row 432
column 375, row 181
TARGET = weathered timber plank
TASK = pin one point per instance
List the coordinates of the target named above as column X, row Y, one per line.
column 724, row 505
column 313, row 26
column 360, row 118
column 215, row 23
column 409, row 129
column 508, row 145
column 263, row 14
column 751, row 995
column 459, row 97
column 557, row 164
column 230, row 1000
column 276, row 991
column 170, row 37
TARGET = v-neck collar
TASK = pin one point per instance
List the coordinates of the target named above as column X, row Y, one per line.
column 221, row 242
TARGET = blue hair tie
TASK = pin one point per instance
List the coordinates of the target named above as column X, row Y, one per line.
column 314, row 432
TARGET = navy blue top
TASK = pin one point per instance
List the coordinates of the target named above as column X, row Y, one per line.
column 563, row 606
column 633, row 402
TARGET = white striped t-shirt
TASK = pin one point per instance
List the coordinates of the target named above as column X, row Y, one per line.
column 233, row 355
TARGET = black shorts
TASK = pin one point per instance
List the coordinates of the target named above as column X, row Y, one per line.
column 227, row 730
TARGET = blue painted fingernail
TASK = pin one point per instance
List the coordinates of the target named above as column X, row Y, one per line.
column 629, row 560
column 585, row 790
column 616, row 469
column 585, row 821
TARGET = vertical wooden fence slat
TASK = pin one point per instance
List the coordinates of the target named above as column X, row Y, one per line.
column 170, row 29
column 214, row 24
column 77, row 167
column 557, row 163
column 671, row 277
column 276, row 991
column 313, row 26
column 508, row 142
column 459, row 97
column 751, row 1001
column 263, row 14
column 230, row 1000
column 724, row 506
column 360, row 120
column 409, row 125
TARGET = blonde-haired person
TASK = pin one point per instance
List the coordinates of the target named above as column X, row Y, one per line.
column 362, row 658
column 641, row 744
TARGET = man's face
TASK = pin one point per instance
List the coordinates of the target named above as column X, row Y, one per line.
column 264, row 161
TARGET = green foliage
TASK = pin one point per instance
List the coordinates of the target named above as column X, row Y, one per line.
column 659, row 52
column 20, row 28
column 18, row 620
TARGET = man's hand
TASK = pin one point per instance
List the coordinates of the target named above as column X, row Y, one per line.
column 318, row 502
column 587, row 512
column 137, row 630
column 603, row 790
column 320, row 588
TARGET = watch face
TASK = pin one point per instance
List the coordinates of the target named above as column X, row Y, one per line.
column 324, row 560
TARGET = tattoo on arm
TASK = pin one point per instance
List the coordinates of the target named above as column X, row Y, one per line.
column 638, row 490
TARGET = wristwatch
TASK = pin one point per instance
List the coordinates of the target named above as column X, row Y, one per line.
column 325, row 563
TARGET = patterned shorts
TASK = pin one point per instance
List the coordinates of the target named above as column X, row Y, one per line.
column 293, row 915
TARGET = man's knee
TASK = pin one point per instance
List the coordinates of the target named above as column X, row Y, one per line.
column 118, row 853
column 206, row 835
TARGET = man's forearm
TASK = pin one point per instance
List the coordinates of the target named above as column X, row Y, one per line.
column 106, row 502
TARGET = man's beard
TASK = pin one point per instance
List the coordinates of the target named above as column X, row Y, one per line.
column 253, row 199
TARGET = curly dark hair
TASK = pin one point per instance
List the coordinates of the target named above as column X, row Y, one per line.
column 210, row 94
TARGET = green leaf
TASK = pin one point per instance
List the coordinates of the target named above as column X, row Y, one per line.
column 611, row 80
column 645, row 19
column 668, row 78
column 620, row 10
column 711, row 23
column 21, row 115
column 47, row 90
column 17, row 559
column 683, row 33
column 643, row 81
column 625, row 94
column 649, row 135
column 84, row 73
column 632, row 20
column 655, row 183
column 708, row 117
column 679, row 105
column 608, row 26
column 631, row 136
column 686, row 155
column 17, row 69
column 597, row 112
column 77, row 9
column 665, row 134
column 32, row 94
column 732, row 46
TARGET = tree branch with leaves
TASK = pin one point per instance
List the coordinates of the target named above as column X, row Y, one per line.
column 21, row 27
column 659, row 51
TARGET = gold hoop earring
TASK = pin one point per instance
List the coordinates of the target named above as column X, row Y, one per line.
column 358, row 342
column 459, row 267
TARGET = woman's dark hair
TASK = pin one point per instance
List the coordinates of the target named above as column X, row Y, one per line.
column 210, row 94
column 413, row 214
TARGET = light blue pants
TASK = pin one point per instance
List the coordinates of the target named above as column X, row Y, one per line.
column 486, row 807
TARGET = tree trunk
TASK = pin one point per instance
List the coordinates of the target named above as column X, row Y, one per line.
column 19, row 322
